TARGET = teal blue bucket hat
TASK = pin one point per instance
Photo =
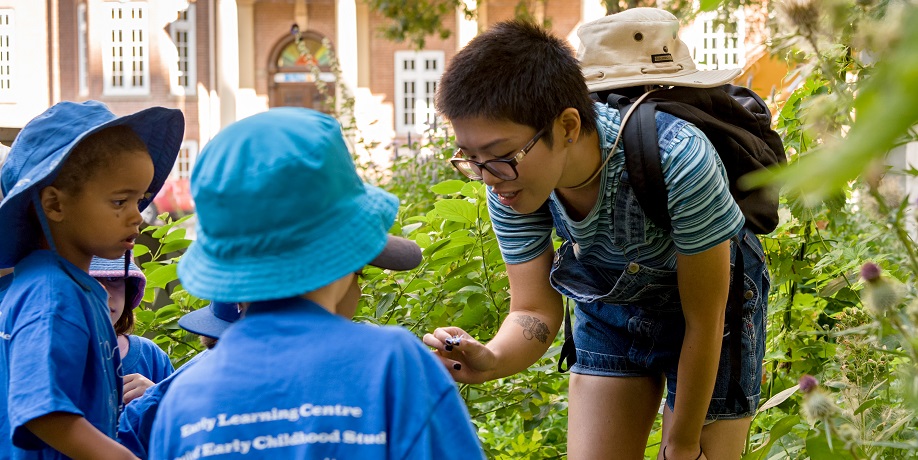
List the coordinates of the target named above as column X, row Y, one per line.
column 42, row 147
column 281, row 211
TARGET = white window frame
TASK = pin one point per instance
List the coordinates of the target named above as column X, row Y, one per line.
column 184, row 162
column 415, row 88
column 82, row 49
column 716, row 49
column 127, row 32
column 185, row 26
column 7, row 54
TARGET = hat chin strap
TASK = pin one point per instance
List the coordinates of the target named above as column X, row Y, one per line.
column 42, row 219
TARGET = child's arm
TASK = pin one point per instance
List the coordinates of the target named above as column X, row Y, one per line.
column 704, row 280
column 75, row 437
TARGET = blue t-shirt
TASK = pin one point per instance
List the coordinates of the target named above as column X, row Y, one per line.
column 60, row 351
column 146, row 358
column 136, row 421
column 291, row 380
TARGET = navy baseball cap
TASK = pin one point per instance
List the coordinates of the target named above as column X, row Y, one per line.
column 211, row 320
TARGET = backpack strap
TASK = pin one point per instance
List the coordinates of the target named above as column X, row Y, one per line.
column 643, row 163
column 568, row 349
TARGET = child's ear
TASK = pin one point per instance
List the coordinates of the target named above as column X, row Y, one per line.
column 52, row 203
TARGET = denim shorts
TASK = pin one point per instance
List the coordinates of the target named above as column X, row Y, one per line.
column 631, row 324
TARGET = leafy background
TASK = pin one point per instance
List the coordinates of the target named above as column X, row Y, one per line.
column 843, row 206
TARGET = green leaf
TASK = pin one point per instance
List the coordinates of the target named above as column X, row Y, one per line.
column 161, row 231
column 472, row 190
column 140, row 250
column 866, row 405
column 448, row 187
column 162, row 276
column 384, row 304
column 817, row 446
column 779, row 398
column 457, row 211
column 175, row 235
column 173, row 246
column 778, row 430
column 169, row 311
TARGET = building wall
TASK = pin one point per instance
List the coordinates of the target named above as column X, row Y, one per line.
column 382, row 56
column 31, row 83
column 272, row 27
column 563, row 15
column 160, row 92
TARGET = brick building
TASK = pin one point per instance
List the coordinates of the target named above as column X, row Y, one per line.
column 221, row 60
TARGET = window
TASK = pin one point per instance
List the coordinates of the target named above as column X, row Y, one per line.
column 6, row 54
column 720, row 46
column 125, row 51
column 416, row 77
column 184, row 163
column 82, row 50
column 182, row 31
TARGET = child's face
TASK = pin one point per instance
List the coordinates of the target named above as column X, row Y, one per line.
column 115, row 289
column 102, row 219
column 539, row 172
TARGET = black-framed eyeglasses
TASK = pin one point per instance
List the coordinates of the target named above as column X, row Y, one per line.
column 503, row 168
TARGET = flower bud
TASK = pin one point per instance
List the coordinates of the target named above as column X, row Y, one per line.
column 870, row 272
column 808, row 383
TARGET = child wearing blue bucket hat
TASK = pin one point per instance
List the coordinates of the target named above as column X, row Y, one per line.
column 136, row 421
column 74, row 184
column 285, row 224
column 143, row 363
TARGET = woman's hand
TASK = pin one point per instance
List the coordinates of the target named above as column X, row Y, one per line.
column 467, row 359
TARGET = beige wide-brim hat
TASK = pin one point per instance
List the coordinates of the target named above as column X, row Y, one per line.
column 641, row 46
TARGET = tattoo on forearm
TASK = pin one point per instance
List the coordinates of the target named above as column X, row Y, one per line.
column 532, row 327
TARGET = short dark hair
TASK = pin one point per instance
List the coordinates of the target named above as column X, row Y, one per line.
column 515, row 71
column 94, row 151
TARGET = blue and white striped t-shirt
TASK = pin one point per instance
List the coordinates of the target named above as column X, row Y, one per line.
column 702, row 210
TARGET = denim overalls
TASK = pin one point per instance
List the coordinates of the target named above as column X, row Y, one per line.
column 630, row 323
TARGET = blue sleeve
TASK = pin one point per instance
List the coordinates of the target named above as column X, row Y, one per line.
column 520, row 237
column 433, row 423
column 47, row 357
column 136, row 420
column 703, row 211
column 135, row 426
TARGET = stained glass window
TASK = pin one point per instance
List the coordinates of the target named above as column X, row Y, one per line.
column 291, row 56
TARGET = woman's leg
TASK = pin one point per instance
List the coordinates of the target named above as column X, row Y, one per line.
column 720, row 440
column 611, row 417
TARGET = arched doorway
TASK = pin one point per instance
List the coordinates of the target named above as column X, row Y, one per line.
column 291, row 76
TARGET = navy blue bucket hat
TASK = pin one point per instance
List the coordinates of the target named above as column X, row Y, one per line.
column 281, row 211
column 211, row 320
column 44, row 144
